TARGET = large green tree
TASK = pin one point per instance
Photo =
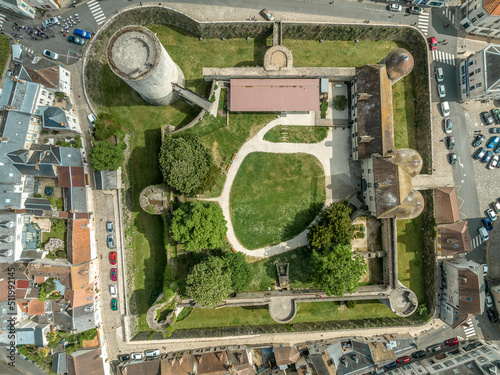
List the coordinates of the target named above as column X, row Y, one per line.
column 106, row 126
column 104, row 156
column 184, row 162
column 209, row 282
column 336, row 270
column 198, row 225
column 241, row 272
column 333, row 227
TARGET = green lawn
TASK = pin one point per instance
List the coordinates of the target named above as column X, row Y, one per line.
column 56, row 231
column 296, row 134
column 275, row 197
column 258, row 315
column 410, row 251
column 404, row 113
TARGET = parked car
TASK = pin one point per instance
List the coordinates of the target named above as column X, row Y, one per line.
column 111, row 241
column 109, row 227
column 496, row 207
column 495, row 130
column 487, row 224
column 493, row 142
column 267, row 15
column 50, row 54
column 434, row 348
column 112, row 257
column 124, row 357
column 496, row 115
column 76, row 40
column 497, row 149
column 391, row 365
column 92, row 118
column 415, row 10
column 113, row 290
column 445, row 108
column 489, row 300
column 432, row 43
column 51, row 22
column 453, row 158
column 483, row 233
column 478, row 140
column 82, row 33
column 114, row 304
column 403, row 360
column 479, row 154
column 419, row 354
column 448, row 126
column 492, row 315
column 439, row 75
column 137, row 356
column 452, row 342
column 486, row 117
column 441, row 90
column 450, row 143
column 485, row 270
column 152, row 353
column 114, row 274
column 395, row 8
column 491, row 214
column 493, row 162
column 487, row 157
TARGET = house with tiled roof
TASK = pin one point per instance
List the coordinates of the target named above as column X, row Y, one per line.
column 80, row 247
column 481, row 17
column 86, row 361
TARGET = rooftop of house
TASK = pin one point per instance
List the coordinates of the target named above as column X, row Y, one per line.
column 455, row 238
column 75, row 199
column 492, row 61
column 71, row 177
column 446, row 205
column 86, row 361
column 78, row 241
column 107, row 180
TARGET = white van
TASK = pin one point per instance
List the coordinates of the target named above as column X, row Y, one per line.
column 152, row 353
column 445, row 108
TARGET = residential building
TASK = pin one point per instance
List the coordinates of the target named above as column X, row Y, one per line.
column 86, row 361
column 31, row 333
column 480, row 74
column 20, row 7
column 463, row 293
column 481, row 17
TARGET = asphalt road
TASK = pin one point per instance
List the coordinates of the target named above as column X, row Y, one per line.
column 21, row 366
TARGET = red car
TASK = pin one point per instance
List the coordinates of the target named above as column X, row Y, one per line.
column 403, row 360
column 114, row 274
column 452, row 342
column 432, row 43
column 112, row 257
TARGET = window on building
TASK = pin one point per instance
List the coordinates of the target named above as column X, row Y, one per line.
column 474, row 19
column 480, row 15
column 369, row 171
column 478, row 70
column 471, row 74
column 468, row 299
column 479, row 84
column 472, row 87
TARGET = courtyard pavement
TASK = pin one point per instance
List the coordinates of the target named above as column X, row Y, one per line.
column 333, row 154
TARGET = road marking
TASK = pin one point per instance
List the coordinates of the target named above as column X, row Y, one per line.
column 470, row 330
column 476, row 241
column 448, row 13
column 423, row 22
column 95, row 9
column 444, row 57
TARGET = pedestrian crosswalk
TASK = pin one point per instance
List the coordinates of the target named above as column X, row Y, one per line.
column 97, row 12
column 469, row 329
column 476, row 241
column 423, row 22
column 448, row 13
column 443, row 57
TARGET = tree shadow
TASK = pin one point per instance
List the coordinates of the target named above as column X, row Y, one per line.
column 301, row 221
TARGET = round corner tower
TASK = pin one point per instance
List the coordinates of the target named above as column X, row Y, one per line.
column 136, row 56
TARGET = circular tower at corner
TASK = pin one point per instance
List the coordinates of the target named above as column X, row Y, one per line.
column 136, row 56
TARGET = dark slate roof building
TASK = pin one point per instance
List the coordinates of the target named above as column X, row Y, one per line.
column 107, row 180
column 55, row 118
column 60, row 363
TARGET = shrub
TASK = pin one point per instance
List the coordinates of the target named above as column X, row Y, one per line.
column 340, row 102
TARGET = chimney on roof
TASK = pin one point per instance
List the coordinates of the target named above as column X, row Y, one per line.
column 365, row 139
column 63, row 124
column 37, row 167
column 355, row 358
column 343, row 361
column 363, row 96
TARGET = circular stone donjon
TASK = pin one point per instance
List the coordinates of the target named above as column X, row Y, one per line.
column 399, row 63
column 136, row 55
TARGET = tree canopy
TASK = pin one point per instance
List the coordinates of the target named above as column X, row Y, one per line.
column 209, row 282
column 106, row 126
column 184, row 162
column 198, row 225
column 241, row 272
column 336, row 270
column 333, row 227
column 104, row 156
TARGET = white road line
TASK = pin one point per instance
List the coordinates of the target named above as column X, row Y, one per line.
column 452, row 19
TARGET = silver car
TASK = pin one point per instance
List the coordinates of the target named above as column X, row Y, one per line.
column 441, row 91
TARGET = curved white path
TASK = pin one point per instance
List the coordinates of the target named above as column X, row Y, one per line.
column 332, row 152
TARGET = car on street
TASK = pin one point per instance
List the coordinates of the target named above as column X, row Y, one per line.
column 434, row 348
column 450, row 143
column 495, row 130
column 441, row 90
column 485, row 270
column 267, row 15
column 82, row 33
column 415, row 10
column 493, row 162
column 109, row 227
column 403, row 360
column 452, row 342
column 487, row 224
column 432, row 43
column 114, row 304
column 496, row 207
column 92, row 118
column 50, row 54
column 111, row 241
column 76, row 40
column 112, row 257
column 487, row 157
column 483, row 233
column 124, row 357
column 453, row 158
column 496, row 114
column 497, row 149
column 419, row 354
column 395, row 8
column 491, row 214
column 486, row 117
column 137, row 356
column 113, row 290
column 152, row 353
column 489, row 300
column 391, row 365
column 480, row 153
column 478, row 140
column 114, row 274
column 493, row 142
column 492, row 316
column 439, row 75
column 445, row 108
column 448, row 126
column 51, row 22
